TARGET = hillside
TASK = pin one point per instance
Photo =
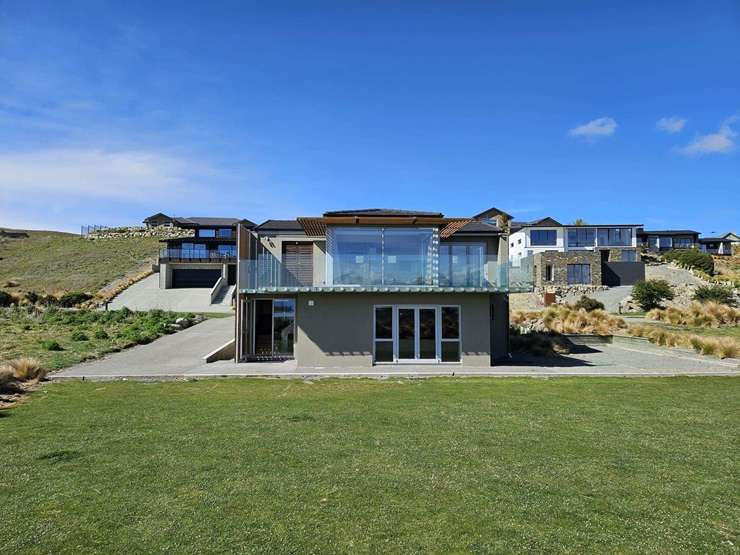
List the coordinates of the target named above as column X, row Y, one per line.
column 50, row 261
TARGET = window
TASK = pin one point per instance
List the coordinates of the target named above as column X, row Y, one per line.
column 548, row 272
column 384, row 334
column 283, row 325
column 543, row 237
column 225, row 233
column 652, row 242
column 683, row 242
column 666, row 242
column 450, row 342
column 227, row 250
column 193, row 250
column 615, row 236
column 519, row 242
column 206, row 232
column 381, row 256
column 581, row 237
column 579, row 274
column 462, row 265
column 629, row 256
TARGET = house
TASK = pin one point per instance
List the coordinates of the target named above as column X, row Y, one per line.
column 376, row 286
column 201, row 259
column 716, row 245
column 577, row 254
column 158, row 220
column 668, row 239
column 734, row 238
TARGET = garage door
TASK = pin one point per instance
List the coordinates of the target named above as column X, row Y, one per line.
column 195, row 278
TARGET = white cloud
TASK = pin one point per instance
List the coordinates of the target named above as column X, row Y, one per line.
column 673, row 124
column 600, row 127
column 723, row 141
column 92, row 173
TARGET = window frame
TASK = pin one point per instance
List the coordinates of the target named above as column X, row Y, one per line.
column 534, row 243
column 578, row 243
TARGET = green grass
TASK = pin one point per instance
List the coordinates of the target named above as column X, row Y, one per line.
column 23, row 332
column 723, row 331
column 50, row 261
column 429, row 466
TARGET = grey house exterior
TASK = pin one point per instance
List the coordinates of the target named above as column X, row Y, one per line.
column 668, row 239
column 372, row 287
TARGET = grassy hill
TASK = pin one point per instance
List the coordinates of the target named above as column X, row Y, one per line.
column 50, row 261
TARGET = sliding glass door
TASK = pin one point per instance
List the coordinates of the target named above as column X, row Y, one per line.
column 416, row 334
column 273, row 327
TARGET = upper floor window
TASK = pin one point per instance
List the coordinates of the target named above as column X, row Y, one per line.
column 581, row 237
column 615, row 237
column 683, row 242
column 543, row 237
column 462, row 265
column 205, row 232
column 381, row 256
column 227, row 250
column 225, row 233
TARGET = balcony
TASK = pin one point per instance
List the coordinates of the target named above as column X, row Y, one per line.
column 392, row 274
column 195, row 255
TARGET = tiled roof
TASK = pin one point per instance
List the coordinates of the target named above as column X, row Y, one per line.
column 370, row 212
column 280, row 225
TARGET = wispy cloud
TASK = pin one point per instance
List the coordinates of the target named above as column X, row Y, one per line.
column 673, row 124
column 721, row 142
column 97, row 174
column 600, row 127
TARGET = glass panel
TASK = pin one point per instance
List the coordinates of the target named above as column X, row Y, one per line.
column 542, row 237
column 227, row 250
column 355, row 255
column 450, row 351
column 263, row 327
column 206, row 233
column 450, row 322
column 461, row 265
column 629, row 256
column 407, row 256
column 615, row 236
column 581, row 237
column 384, row 351
column 284, row 325
column 406, row 333
column 427, row 333
column 226, row 233
column 384, row 322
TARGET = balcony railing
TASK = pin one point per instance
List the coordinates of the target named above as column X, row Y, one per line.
column 368, row 273
column 195, row 255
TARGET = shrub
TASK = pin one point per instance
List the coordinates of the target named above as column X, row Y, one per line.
column 709, row 314
column 5, row 298
column 727, row 348
column 32, row 297
column 74, row 298
column 588, row 304
column 25, row 369
column 79, row 335
column 51, row 345
column 100, row 334
column 651, row 293
column 714, row 293
column 692, row 258
column 8, row 383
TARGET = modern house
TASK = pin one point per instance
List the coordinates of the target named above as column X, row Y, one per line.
column 668, row 239
column 159, row 220
column 376, row 286
column 577, row 254
column 201, row 258
column 716, row 245
column 734, row 238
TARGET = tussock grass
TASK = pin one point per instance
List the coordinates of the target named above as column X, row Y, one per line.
column 26, row 369
column 570, row 320
column 708, row 314
column 724, row 347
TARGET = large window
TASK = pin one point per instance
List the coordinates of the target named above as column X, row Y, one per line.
column 462, row 265
column 683, row 242
column 615, row 236
column 543, row 237
column 579, row 274
column 581, row 237
column 381, row 256
column 225, row 233
column 450, row 334
column 205, row 232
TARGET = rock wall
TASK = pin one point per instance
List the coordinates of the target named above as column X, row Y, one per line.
column 138, row 231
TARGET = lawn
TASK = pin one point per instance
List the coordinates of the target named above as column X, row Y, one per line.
column 722, row 331
column 49, row 261
column 358, row 466
column 23, row 333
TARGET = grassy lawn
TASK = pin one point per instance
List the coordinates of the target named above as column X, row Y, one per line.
column 724, row 331
column 355, row 466
column 23, row 331
column 50, row 261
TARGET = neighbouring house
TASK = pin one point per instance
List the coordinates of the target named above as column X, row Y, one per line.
column 203, row 258
column 159, row 220
column 577, row 254
column 13, row 234
column 716, row 245
column 734, row 238
column 356, row 288
column 668, row 239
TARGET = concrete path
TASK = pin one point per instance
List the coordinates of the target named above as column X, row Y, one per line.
column 174, row 354
column 146, row 295
column 179, row 356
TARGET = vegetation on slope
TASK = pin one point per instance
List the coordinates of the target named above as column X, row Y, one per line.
column 49, row 261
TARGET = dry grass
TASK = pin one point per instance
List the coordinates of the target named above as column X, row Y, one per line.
column 698, row 314
column 539, row 344
column 26, row 369
column 569, row 320
column 712, row 346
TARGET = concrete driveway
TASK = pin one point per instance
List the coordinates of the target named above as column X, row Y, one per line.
column 146, row 295
column 177, row 354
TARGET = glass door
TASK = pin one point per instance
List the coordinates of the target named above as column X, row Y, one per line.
column 273, row 327
column 426, row 348
column 407, row 327
column 408, row 334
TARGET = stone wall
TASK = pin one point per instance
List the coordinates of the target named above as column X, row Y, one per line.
column 138, row 231
column 559, row 262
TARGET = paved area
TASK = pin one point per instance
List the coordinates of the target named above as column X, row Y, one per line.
column 180, row 356
column 146, row 295
column 174, row 354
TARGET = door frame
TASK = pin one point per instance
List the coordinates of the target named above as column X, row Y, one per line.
column 253, row 322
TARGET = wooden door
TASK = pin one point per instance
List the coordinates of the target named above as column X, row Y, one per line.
column 298, row 263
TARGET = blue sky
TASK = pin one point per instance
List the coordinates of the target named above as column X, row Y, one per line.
column 609, row 111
